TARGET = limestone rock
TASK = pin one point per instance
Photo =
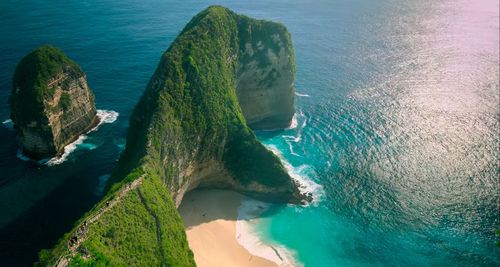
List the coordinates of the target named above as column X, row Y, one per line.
column 51, row 103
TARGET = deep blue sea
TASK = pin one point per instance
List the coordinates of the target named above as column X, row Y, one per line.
column 397, row 123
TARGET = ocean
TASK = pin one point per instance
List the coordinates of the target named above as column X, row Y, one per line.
column 396, row 132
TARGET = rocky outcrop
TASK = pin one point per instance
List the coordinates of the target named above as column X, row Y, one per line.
column 265, row 75
column 189, row 130
column 51, row 103
column 222, row 71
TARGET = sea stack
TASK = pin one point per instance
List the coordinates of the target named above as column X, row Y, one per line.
column 51, row 103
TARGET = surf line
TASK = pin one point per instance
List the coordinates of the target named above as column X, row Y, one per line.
column 105, row 116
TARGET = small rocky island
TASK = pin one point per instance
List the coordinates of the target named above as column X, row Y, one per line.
column 222, row 76
column 51, row 103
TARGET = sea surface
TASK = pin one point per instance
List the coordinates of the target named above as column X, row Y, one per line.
column 396, row 133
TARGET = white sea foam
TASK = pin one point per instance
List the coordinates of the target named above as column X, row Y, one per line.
column 301, row 95
column 250, row 211
column 302, row 174
column 8, row 123
column 105, row 116
column 248, row 216
column 295, row 139
column 294, row 123
column 290, row 147
column 292, row 138
column 299, row 115
column 67, row 150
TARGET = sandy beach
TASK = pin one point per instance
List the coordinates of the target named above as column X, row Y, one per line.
column 210, row 218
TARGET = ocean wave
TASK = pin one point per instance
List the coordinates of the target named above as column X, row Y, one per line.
column 301, row 174
column 301, row 95
column 292, row 151
column 105, row 116
column 8, row 124
column 299, row 116
column 67, row 150
column 292, row 138
column 294, row 123
column 248, row 216
column 295, row 139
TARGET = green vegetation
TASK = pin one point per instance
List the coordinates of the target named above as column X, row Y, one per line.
column 143, row 229
column 31, row 82
column 261, row 33
column 65, row 101
column 188, row 114
column 47, row 82
column 191, row 103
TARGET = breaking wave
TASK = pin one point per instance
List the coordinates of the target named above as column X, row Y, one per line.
column 301, row 95
column 248, row 216
column 302, row 174
column 8, row 124
column 105, row 116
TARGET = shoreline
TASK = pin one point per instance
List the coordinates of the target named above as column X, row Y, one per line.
column 217, row 224
column 102, row 117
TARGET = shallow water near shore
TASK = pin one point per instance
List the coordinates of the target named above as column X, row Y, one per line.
column 396, row 130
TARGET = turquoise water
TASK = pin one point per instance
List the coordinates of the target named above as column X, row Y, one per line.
column 397, row 121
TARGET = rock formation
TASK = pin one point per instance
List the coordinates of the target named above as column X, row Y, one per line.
column 189, row 130
column 265, row 74
column 51, row 103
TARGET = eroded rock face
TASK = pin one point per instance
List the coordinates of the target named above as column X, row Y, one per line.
column 51, row 103
column 265, row 76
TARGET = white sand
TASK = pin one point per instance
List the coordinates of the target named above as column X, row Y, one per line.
column 210, row 218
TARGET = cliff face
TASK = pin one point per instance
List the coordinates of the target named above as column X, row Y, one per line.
column 222, row 71
column 265, row 74
column 51, row 104
column 189, row 131
column 190, row 125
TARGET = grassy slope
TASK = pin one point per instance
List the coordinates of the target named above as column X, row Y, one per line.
column 143, row 229
column 188, row 113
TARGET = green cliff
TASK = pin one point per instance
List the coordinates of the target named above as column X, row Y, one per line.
column 188, row 131
column 51, row 103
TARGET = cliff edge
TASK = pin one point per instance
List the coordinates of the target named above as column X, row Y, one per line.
column 265, row 74
column 51, row 103
column 190, row 130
